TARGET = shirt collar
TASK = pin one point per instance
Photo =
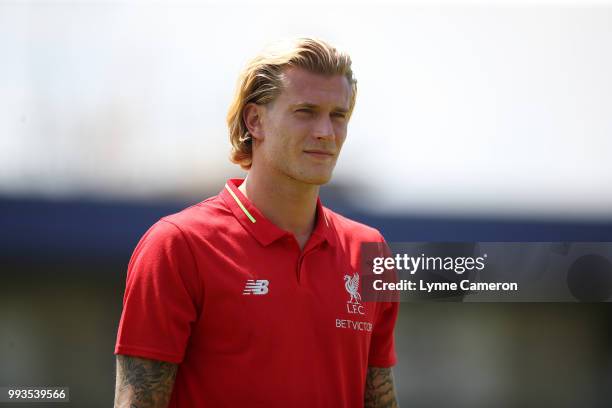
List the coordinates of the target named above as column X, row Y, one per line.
column 263, row 229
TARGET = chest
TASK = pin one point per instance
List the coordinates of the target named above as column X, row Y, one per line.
column 266, row 300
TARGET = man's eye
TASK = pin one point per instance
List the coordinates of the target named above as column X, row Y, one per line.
column 339, row 115
column 304, row 110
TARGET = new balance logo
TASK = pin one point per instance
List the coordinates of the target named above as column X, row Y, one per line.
column 256, row 287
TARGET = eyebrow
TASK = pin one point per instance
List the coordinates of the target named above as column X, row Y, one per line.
column 313, row 106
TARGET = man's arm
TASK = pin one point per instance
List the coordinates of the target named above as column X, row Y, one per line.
column 143, row 383
column 379, row 388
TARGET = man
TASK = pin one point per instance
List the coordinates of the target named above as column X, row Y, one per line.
column 251, row 298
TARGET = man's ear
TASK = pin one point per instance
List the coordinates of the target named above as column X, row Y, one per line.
column 252, row 114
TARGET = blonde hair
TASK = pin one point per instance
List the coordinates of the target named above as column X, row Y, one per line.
column 261, row 82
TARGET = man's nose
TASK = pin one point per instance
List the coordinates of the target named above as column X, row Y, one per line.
column 324, row 128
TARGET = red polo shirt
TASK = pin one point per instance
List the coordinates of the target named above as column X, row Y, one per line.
column 252, row 319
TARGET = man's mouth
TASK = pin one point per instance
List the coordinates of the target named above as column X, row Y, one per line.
column 319, row 153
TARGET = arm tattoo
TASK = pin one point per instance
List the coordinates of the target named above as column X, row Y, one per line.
column 143, row 383
column 379, row 388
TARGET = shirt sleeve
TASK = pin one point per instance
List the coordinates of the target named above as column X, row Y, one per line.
column 160, row 304
column 382, row 344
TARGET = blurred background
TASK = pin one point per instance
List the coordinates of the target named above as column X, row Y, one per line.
column 472, row 123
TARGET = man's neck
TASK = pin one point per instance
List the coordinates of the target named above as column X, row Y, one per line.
column 289, row 204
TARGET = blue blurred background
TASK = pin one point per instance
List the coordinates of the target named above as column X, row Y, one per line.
column 473, row 123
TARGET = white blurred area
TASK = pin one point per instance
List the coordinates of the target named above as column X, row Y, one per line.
column 470, row 110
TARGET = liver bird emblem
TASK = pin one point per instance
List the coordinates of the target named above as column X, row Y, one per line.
column 351, row 283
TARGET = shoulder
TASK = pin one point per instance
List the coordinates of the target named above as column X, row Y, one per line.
column 349, row 229
column 200, row 218
column 204, row 219
column 173, row 238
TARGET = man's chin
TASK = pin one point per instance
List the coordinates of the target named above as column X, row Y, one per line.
column 317, row 180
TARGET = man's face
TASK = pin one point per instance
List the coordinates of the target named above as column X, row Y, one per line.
column 303, row 130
